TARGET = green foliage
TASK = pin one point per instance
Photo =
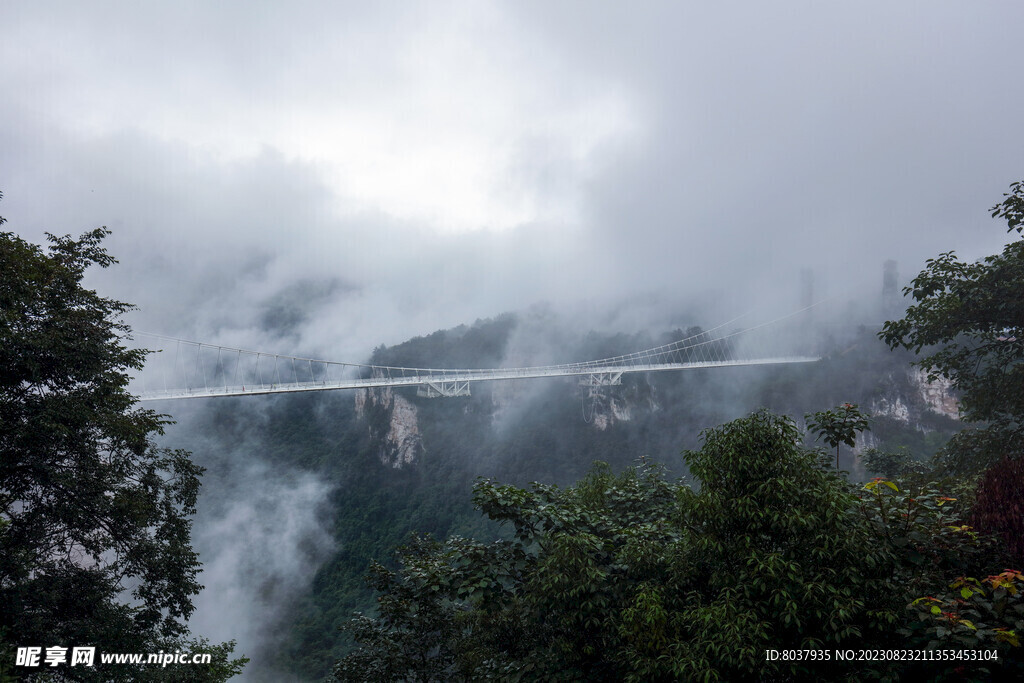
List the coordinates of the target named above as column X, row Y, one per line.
column 89, row 507
column 999, row 506
column 1012, row 208
column 634, row 577
column 839, row 426
column 975, row 615
column 481, row 345
column 923, row 528
column 221, row 667
column 7, row 648
column 897, row 463
column 424, row 630
column 777, row 546
column 924, row 531
column 971, row 318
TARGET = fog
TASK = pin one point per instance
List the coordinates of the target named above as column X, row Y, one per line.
column 391, row 171
column 320, row 178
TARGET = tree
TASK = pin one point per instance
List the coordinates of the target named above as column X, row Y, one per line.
column 633, row 577
column 94, row 518
column 979, row 615
column 779, row 557
column 897, row 463
column 838, row 426
column 970, row 318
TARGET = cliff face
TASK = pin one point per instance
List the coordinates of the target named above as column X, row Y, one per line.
column 392, row 422
column 619, row 404
column 937, row 395
column 658, row 413
column 907, row 402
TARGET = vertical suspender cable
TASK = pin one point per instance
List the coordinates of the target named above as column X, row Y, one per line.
column 197, row 367
column 199, row 355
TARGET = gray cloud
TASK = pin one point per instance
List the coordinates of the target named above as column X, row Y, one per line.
column 739, row 146
column 260, row 547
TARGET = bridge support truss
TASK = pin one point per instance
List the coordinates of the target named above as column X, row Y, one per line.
column 601, row 379
column 437, row 389
column 594, row 382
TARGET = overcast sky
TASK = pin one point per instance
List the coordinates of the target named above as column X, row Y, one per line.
column 321, row 177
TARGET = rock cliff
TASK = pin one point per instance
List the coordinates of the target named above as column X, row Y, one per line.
column 392, row 422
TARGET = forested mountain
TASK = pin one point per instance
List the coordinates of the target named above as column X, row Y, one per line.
column 395, row 463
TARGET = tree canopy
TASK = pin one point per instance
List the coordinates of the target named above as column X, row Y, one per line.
column 838, row 426
column 94, row 518
column 635, row 577
column 969, row 318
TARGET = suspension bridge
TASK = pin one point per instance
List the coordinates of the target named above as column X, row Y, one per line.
column 179, row 368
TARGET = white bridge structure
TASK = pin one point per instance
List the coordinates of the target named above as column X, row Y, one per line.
column 178, row 368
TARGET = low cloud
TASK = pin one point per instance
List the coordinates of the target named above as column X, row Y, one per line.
column 261, row 539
